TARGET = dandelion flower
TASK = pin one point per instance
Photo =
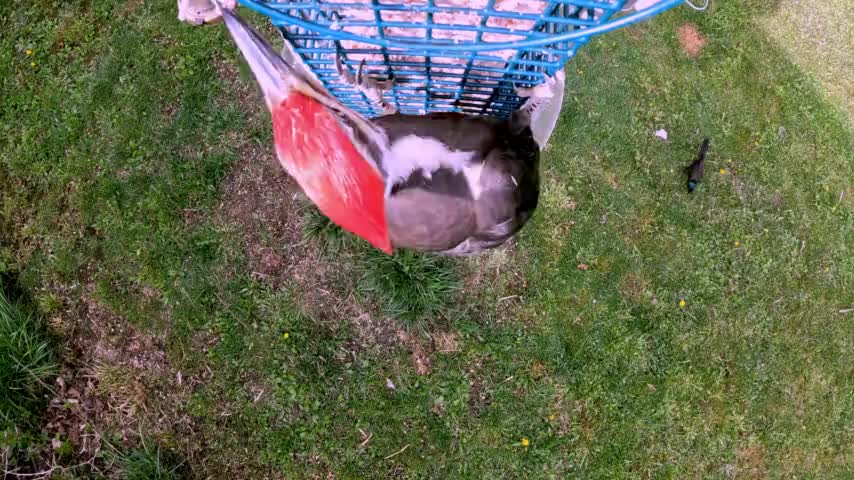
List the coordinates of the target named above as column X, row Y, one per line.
column 722, row 171
column 29, row 52
column 525, row 442
column 551, row 418
column 682, row 303
column 737, row 243
column 33, row 64
column 286, row 335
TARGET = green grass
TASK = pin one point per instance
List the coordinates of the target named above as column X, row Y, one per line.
column 114, row 153
column 318, row 229
column 150, row 463
column 411, row 287
column 27, row 363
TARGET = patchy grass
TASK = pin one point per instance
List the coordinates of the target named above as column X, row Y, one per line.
column 204, row 314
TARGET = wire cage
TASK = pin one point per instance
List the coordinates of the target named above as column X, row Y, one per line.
column 445, row 55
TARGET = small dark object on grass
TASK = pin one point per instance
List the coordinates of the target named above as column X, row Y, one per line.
column 695, row 170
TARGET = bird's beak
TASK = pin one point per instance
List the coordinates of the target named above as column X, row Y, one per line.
column 311, row 142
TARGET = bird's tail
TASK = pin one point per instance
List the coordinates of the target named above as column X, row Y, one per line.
column 704, row 149
column 334, row 153
column 278, row 77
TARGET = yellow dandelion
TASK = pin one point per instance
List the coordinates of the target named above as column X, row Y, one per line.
column 682, row 303
column 286, row 335
column 826, row 269
column 33, row 64
column 737, row 244
column 29, row 52
column 722, row 171
column 551, row 418
column 525, row 442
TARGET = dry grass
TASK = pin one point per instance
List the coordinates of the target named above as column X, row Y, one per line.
column 819, row 36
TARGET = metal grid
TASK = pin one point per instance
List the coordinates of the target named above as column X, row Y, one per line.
column 445, row 55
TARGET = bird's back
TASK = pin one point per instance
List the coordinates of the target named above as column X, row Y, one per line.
column 458, row 184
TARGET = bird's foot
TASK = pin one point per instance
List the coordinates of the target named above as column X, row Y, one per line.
column 544, row 90
column 203, row 12
column 371, row 87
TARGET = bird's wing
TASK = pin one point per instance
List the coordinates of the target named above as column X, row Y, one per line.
column 427, row 220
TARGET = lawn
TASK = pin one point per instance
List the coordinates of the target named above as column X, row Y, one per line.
column 210, row 324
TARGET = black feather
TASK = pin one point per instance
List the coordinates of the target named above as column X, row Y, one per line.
column 695, row 170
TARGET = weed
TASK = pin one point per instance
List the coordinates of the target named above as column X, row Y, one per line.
column 27, row 362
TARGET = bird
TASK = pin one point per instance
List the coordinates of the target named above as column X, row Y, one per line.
column 443, row 182
column 695, row 170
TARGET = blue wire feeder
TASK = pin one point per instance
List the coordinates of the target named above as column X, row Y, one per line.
column 437, row 63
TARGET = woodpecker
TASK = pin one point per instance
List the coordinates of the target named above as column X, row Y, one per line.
column 447, row 183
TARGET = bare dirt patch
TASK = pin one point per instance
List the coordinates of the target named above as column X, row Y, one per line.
column 115, row 383
column 632, row 287
column 494, row 285
column 479, row 395
column 446, row 342
column 750, row 462
column 418, row 352
column 265, row 204
column 240, row 90
column 262, row 201
column 691, row 40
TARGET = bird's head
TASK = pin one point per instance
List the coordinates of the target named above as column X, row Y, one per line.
column 331, row 151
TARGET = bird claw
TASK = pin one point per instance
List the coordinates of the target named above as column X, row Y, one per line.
column 203, row 12
column 543, row 90
column 371, row 87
